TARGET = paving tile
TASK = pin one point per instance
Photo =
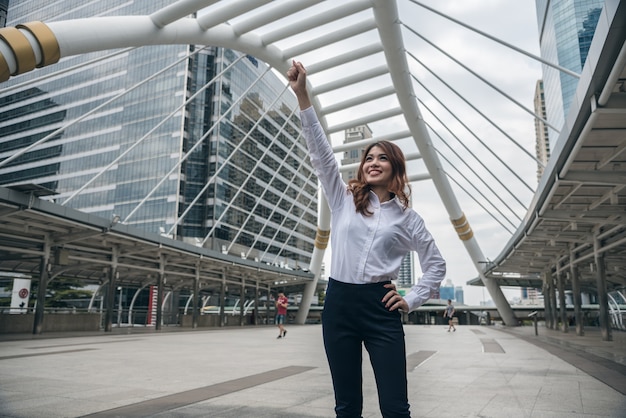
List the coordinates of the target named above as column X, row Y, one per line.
column 450, row 374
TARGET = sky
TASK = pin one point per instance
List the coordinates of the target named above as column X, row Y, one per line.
column 516, row 75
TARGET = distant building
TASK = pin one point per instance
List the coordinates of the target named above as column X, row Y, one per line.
column 566, row 29
column 405, row 275
column 530, row 296
column 447, row 290
column 458, row 295
column 542, row 143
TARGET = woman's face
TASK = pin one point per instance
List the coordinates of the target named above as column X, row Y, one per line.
column 377, row 170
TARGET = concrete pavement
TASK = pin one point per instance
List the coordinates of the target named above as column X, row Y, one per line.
column 477, row 371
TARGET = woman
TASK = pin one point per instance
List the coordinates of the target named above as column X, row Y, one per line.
column 373, row 229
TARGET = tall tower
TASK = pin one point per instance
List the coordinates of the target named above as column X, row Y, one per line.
column 446, row 290
column 459, row 295
column 407, row 272
column 566, row 28
column 213, row 162
column 542, row 145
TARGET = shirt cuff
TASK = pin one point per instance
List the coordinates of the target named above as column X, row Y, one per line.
column 413, row 300
column 308, row 117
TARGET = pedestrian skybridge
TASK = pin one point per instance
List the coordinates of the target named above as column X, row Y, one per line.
column 369, row 63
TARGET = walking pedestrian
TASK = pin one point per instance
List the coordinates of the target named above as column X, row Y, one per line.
column 449, row 313
column 281, row 314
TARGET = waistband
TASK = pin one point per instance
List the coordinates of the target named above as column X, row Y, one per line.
column 339, row 283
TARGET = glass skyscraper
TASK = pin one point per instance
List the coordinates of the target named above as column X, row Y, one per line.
column 542, row 144
column 4, row 6
column 200, row 143
column 566, row 28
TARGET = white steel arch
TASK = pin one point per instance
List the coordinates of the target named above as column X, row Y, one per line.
column 276, row 33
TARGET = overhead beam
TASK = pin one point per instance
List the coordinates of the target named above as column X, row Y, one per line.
column 596, row 177
column 224, row 12
column 178, row 10
column 311, row 22
column 351, row 79
column 357, row 100
column 330, row 38
column 385, row 114
column 271, row 14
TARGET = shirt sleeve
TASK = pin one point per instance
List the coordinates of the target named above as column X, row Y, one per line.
column 322, row 158
column 433, row 267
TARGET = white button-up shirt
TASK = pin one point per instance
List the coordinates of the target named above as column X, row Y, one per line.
column 370, row 249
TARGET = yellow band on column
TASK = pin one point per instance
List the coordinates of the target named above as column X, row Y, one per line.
column 5, row 73
column 321, row 239
column 463, row 229
column 46, row 40
column 22, row 49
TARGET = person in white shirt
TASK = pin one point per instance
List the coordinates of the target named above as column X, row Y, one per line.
column 372, row 230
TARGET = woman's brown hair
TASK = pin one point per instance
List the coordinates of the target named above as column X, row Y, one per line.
column 399, row 184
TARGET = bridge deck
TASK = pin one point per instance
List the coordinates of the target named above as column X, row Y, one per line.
column 482, row 371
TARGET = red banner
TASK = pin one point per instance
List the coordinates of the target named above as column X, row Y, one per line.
column 152, row 307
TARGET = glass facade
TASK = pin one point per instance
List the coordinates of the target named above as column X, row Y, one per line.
column 566, row 28
column 194, row 141
column 4, row 7
column 265, row 183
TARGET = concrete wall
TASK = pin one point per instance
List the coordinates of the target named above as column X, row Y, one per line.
column 208, row 321
column 204, row 321
column 23, row 323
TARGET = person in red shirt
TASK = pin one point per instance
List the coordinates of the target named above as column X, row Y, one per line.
column 281, row 312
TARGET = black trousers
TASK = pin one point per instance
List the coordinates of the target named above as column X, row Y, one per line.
column 354, row 315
